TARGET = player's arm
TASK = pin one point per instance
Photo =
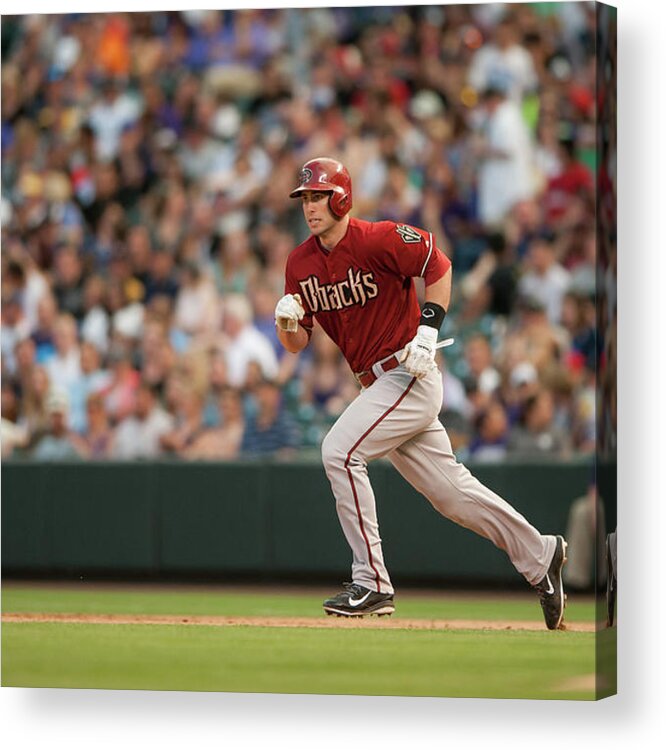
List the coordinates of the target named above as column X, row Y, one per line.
column 439, row 292
column 419, row 355
column 293, row 341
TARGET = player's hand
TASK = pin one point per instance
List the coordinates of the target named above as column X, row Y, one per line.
column 288, row 312
column 419, row 355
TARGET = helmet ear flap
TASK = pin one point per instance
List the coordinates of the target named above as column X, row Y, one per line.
column 338, row 204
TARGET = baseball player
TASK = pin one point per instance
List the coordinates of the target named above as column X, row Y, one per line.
column 356, row 279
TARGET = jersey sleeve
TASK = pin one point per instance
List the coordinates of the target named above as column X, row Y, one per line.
column 291, row 287
column 411, row 251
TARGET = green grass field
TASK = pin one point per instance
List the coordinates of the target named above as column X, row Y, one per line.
column 256, row 658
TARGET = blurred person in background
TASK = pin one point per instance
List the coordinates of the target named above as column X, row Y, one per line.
column 399, row 198
column 121, row 393
column 95, row 323
column 525, row 222
column 69, row 281
column 491, row 286
column 579, row 320
column 171, row 221
column 584, row 410
column 236, row 270
column 161, row 278
column 58, row 444
column 491, row 428
column 64, row 367
column 14, row 328
column 126, row 310
column 521, row 385
column 243, row 343
column 274, row 247
column 25, row 357
column 586, row 534
column 531, row 338
column 572, row 178
column 44, row 334
column 95, row 442
column 139, row 252
column 109, row 233
column 217, row 381
column 504, row 149
column 22, row 277
column 535, row 437
column 264, row 300
column 544, row 279
column 269, row 429
column 14, row 435
column 94, row 379
column 480, row 370
column 138, row 435
column 114, row 110
column 101, row 212
column 504, row 62
column 34, row 398
column 222, row 442
column 196, row 311
column 156, row 354
column 238, row 190
column 188, row 425
column 322, row 379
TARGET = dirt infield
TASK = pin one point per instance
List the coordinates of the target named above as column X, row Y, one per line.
column 379, row 623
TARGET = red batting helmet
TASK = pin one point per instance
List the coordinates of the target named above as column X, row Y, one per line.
column 326, row 175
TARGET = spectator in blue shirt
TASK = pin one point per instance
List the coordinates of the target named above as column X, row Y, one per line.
column 270, row 430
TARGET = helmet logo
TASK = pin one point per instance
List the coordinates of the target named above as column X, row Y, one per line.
column 306, row 175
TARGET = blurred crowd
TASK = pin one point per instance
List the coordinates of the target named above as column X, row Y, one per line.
column 147, row 160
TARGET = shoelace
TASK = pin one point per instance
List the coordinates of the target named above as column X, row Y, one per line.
column 351, row 587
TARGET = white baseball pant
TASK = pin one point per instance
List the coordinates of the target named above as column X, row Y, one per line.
column 397, row 417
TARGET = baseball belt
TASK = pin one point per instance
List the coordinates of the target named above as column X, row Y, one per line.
column 368, row 377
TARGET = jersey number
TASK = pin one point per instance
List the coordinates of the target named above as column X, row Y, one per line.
column 408, row 234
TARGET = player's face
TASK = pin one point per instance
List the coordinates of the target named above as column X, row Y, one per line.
column 317, row 214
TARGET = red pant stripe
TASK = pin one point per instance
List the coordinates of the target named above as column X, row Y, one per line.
column 351, row 478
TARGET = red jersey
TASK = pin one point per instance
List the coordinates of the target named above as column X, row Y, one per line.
column 362, row 292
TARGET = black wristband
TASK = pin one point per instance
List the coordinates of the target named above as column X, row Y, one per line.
column 432, row 315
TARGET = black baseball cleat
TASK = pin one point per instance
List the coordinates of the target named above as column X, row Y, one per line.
column 611, row 585
column 356, row 601
column 551, row 588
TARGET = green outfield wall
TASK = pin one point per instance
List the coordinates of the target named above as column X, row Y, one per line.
column 256, row 519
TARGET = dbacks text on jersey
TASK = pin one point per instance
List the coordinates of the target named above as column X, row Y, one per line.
column 356, row 289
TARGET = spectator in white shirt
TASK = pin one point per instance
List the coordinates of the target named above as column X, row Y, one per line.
column 545, row 280
column 108, row 118
column 244, row 343
column 506, row 171
column 59, row 444
column 197, row 306
column 479, row 361
column 504, row 63
column 64, row 369
column 138, row 436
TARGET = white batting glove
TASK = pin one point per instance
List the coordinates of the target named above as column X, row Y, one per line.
column 288, row 312
column 419, row 354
